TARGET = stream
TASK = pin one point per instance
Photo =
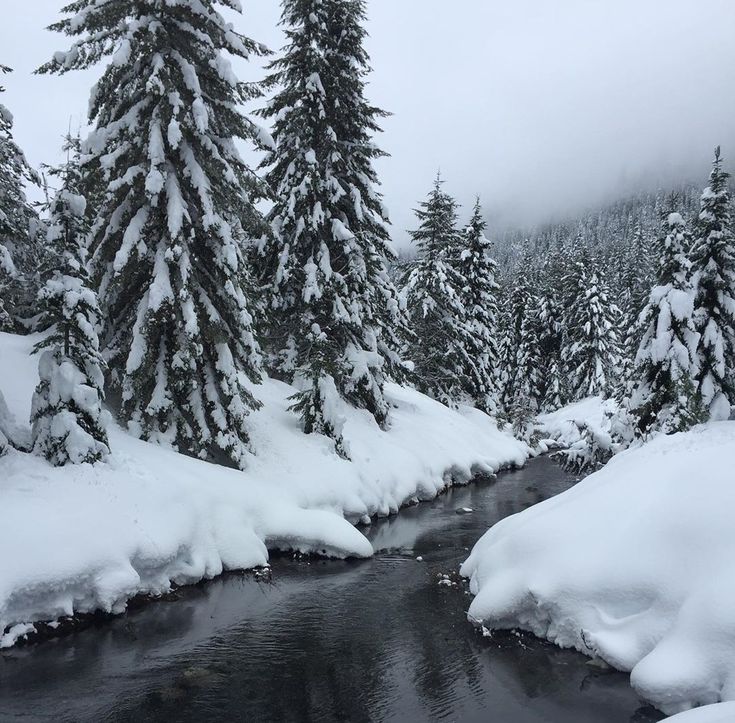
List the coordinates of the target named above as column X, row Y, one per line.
column 325, row 640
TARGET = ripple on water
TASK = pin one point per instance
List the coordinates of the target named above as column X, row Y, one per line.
column 370, row 640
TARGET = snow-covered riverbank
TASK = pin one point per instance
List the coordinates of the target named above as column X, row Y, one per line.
column 635, row 565
column 85, row 538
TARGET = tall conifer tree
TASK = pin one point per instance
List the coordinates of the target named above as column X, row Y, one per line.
column 168, row 242
column 478, row 271
column 434, row 290
column 20, row 246
column 66, row 413
column 591, row 352
column 664, row 397
column 637, row 279
column 713, row 267
column 335, row 317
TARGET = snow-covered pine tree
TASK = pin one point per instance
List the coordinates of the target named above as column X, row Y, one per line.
column 8, row 273
column 664, row 398
column 550, row 326
column 434, row 296
column 713, row 268
column 515, row 294
column 549, row 329
column 168, row 240
column 506, row 347
column 635, row 285
column 66, row 412
column 521, row 352
column 335, row 316
column 590, row 352
column 4, row 420
column 20, row 250
column 478, row 271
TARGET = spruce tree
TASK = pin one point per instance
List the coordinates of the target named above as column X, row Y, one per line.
column 4, row 423
column 713, row 267
column 664, row 398
column 590, row 352
column 521, row 353
column 478, row 271
column 20, row 250
column 8, row 274
column 550, row 329
column 66, row 412
column 335, row 317
column 636, row 282
column 168, row 241
column 434, row 290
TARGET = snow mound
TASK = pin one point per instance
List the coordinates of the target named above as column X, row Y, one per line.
column 564, row 425
column 634, row 565
column 86, row 537
column 716, row 713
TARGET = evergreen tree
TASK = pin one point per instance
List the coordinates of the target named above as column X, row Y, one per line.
column 590, row 352
column 713, row 267
column 522, row 382
column 66, row 412
column 434, row 290
column 637, row 280
column 664, row 396
column 4, row 419
column 335, row 317
column 528, row 363
column 478, row 272
column 168, row 241
column 20, row 250
column 507, row 343
column 8, row 274
column 550, row 329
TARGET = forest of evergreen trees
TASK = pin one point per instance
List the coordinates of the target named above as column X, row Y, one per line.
column 165, row 290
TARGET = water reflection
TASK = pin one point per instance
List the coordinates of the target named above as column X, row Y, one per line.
column 372, row 640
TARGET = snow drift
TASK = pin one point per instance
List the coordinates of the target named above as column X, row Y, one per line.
column 89, row 537
column 716, row 713
column 635, row 565
column 563, row 426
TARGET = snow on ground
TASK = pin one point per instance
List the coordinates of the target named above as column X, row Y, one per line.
column 563, row 426
column 634, row 565
column 717, row 713
column 85, row 538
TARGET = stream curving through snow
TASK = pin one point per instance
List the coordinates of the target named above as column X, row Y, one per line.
column 372, row 640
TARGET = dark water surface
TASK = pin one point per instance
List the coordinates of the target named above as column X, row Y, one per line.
column 373, row 640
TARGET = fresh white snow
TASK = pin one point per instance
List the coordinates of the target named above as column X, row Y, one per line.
column 83, row 538
column 563, row 426
column 635, row 565
column 716, row 713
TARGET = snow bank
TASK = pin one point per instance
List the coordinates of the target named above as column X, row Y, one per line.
column 563, row 426
column 84, row 538
column 634, row 565
column 717, row 713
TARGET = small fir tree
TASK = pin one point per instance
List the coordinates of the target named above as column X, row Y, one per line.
column 66, row 412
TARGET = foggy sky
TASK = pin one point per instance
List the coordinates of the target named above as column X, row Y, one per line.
column 543, row 107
